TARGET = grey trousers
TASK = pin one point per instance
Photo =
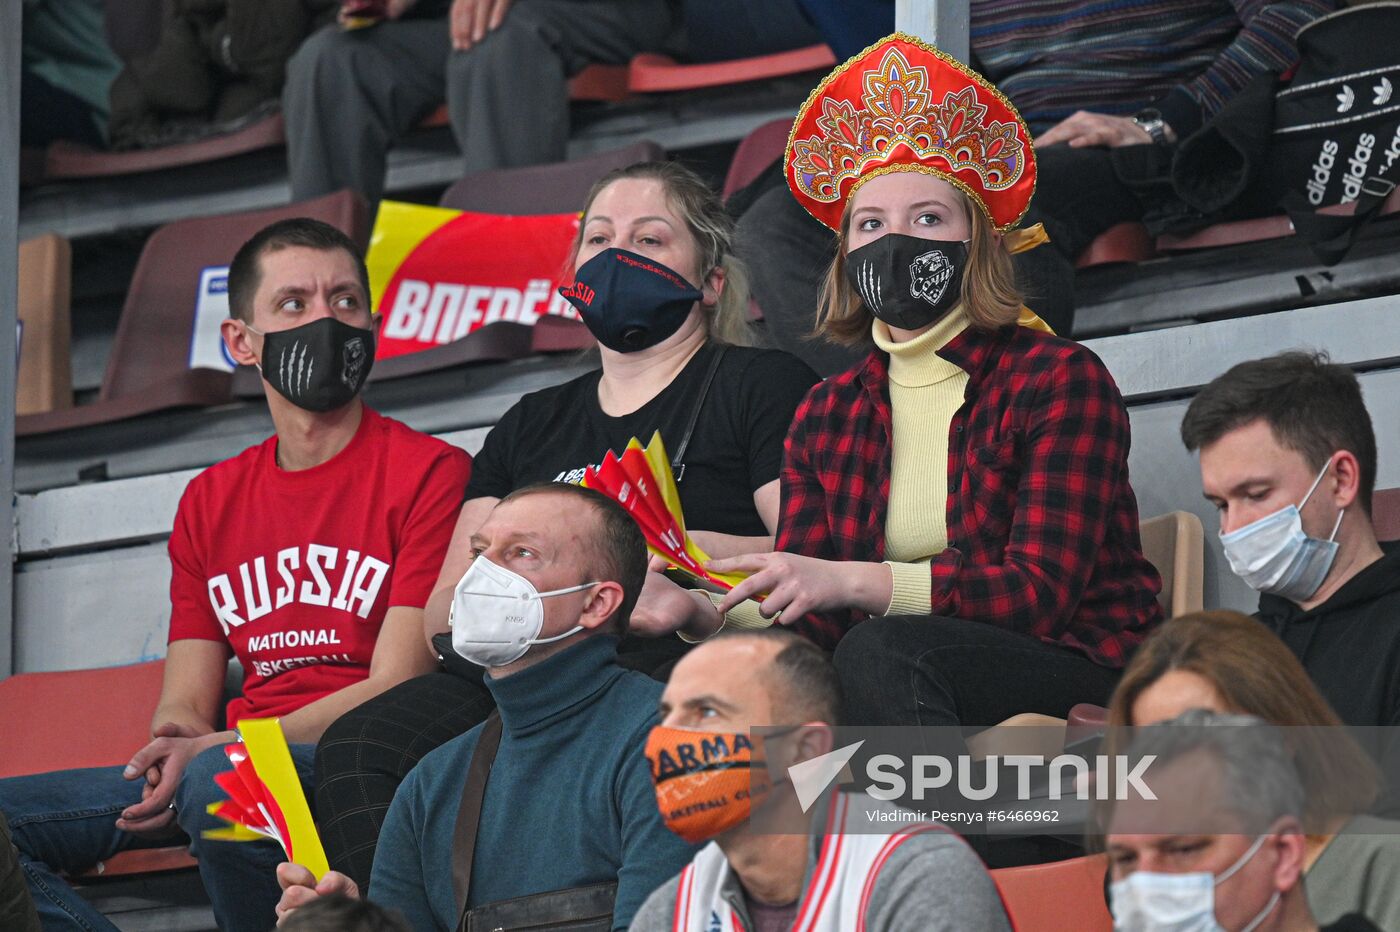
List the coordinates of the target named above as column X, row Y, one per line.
column 350, row 95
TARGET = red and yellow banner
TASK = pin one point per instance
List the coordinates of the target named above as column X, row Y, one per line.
column 438, row 274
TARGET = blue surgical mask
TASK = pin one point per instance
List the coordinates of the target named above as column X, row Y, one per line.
column 1273, row 554
column 1151, row 902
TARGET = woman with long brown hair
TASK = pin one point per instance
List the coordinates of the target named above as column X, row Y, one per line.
column 1223, row 661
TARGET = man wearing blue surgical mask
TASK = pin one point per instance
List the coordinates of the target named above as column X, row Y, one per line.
column 1221, row 848
column 1288, row 456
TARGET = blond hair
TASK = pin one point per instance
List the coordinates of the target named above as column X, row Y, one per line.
column 990, row 298
column 713, row 231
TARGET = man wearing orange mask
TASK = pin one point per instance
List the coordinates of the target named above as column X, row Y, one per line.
column 714, row 763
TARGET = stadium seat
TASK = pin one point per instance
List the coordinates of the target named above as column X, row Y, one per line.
column 542, row 189
column 756, row 151
column 1175, row 544
column 45, row 380
column 653, row 73
column 69, row 161
column 47, row 720
column 1238, row 232
column 601, row 83
column 1063, row 896
column 496, row 342
column 1086, row 715
column 132, row 29
column 47, row 723
column 1385, row 513
column 1228, row 234
column 1125, row 242
column 148, row 369
column 597, row 83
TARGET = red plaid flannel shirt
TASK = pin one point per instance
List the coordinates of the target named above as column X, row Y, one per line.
column 1042, row 523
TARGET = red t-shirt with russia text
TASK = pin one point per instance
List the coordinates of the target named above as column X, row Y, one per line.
column 295, row 570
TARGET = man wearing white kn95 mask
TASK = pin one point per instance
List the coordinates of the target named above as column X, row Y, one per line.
column 1221, row 847
column 546, row 810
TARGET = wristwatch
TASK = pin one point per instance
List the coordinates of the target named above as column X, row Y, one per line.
column 1151, row 122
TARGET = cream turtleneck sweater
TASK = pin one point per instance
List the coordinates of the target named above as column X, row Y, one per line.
column 925, row 392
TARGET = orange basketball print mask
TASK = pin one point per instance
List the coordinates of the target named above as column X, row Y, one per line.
column 902, row 105
column 706, row 782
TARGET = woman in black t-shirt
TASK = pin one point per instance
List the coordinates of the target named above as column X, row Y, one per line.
column 658, row 286
column 657, row 348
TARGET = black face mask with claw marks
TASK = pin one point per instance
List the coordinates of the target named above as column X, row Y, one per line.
column 907, row 281
column 318, row 366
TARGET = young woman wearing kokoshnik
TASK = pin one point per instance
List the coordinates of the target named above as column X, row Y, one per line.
column 957, row 521
column 657, row 284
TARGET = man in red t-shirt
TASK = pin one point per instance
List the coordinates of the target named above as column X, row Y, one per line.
column 308, row 557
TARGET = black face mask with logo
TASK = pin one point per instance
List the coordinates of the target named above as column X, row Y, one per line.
column 906, row 281
column 630, row 302
column 318, row 366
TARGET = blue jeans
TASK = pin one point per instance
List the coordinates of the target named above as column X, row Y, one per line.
column 66, row 822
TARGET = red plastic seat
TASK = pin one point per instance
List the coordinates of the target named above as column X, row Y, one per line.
column 48, row 722
column 148, row 369
column 604, row 83
column 652, row 73
column 1086, row 716
column 756, row 151
column 601, row 83
column 77, row 718
column 1257, row 230
column 67, row 160
column 1064, row 896
column 1125, row 242
column 556, row 188
column 560, row 335
column 1228, row 234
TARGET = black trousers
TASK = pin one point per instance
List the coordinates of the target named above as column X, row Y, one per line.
column 929, row 670
column 365, row 754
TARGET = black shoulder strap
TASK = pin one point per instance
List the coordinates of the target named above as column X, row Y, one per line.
column 469, row 813
column 1332, row 235
column 678, row 458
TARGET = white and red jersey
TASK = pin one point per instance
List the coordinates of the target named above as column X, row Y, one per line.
column 837, row 897
column 295, row 570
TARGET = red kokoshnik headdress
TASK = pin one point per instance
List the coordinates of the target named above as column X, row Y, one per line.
column 902, row 105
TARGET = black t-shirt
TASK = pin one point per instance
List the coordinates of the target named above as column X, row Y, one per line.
column 736, row 449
